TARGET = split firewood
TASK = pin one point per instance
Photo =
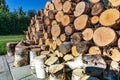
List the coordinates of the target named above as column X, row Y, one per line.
column 109, row 17
column 114, row 54
column 59, row 54
column 81, row 22
column 77, row 74
column 114, row 66
column 68, row 57
column 97, row 9
column 55, row 68
column 10, row 46
column 54, row 45
column 87, row 34
column 74, row 51
column 45, row 52
column 104, row 36
column 58, row 41
column 81, row 7
column 51, row 60
column 41, row 41
column 94, row 50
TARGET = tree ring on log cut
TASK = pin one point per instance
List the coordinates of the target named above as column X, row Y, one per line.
column 109, row 17
column 104, row 36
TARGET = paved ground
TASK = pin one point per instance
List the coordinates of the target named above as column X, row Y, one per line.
column 8, row 72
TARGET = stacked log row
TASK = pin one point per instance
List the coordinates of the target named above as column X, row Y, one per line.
column 76, row 34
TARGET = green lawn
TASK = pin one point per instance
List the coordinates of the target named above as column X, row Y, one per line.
column 9, row 38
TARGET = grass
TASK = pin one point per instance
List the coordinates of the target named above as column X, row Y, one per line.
column 9, row 38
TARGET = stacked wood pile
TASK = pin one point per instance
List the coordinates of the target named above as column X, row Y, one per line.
column 78, row 39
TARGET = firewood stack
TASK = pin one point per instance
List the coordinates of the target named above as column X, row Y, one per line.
column 78, row 38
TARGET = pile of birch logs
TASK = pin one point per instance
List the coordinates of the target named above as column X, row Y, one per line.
column 75, row 40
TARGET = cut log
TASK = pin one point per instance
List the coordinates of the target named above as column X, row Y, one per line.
column 21, row 56
column 67, row 19
column 109, row 17
column 46, row 12
column 65, row 47
column 51, row 60
column 68, row 57
column 10, row 46
column 47, row 21
column 51, row 14
column 76, row 64
column 68, row 7
column 97, row 8
column 82, row 47
column 64, row 37
column 51, row 6
column 87, row 34
column 81, row 22
column 59, row 16
column 119, row 43
column 104, row 36
column 81, row 7
column 69, row 29
column 39, row 67
column 33, row 53
column 74, row 51
column 55, row 30
column 76, row 38
column 92, row 61
column 94, row 50
column 94, row 1
column 115, row 3
column 55, row 68
column 47, row 4
column 57, row 4
column 94, row 19
column 54, row 22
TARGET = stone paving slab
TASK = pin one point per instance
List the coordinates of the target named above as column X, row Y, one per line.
column 5, row 73
column 20, row 73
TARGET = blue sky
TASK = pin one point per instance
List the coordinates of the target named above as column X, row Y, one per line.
column 26, row 4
